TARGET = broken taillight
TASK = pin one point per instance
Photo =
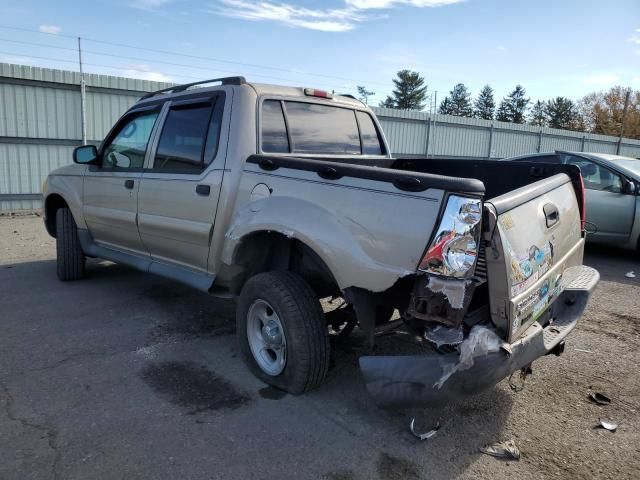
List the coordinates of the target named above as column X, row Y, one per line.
column 454, row 249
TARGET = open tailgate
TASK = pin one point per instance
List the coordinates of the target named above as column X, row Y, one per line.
column 535, row 237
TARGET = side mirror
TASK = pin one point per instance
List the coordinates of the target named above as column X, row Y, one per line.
column 85, row 155
column 628, row 186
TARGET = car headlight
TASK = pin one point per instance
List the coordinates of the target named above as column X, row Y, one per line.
column 454, row 249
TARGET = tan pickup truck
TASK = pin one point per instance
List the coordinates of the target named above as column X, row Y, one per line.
column 282, row 196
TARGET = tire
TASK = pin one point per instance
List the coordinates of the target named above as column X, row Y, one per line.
column 70, row 257
column 300, row 315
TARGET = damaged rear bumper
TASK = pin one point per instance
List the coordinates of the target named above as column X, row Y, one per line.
column 410, row 381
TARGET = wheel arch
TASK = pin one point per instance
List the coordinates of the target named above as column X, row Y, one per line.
column 52, row 204
column 264, row 250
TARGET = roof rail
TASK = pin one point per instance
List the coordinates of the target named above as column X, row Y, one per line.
column 182, row 88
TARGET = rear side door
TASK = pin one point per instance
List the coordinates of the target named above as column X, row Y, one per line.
column 180, row 186
column 111, row 189
column 609, row 209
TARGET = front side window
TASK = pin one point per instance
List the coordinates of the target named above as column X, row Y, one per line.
column 595, row 176
column 322, row 129
column 182, row 141
column 128, row 147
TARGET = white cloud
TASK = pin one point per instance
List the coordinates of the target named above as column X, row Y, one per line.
column 636, row 37
column 144, row 72
column 635, row 81
column 54, row 29
column 326, row 20
column 502, row 48
column 148, row 4
column 603, row 79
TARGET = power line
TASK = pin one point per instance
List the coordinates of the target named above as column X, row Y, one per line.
column 198, row 57
column 141, row 59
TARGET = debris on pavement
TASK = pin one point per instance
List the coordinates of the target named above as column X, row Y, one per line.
column 630, row 275
column 608, row 425
column 522, row 374
column 582, row 350
column 599, row 398
column 506, row 450
column 426, row 435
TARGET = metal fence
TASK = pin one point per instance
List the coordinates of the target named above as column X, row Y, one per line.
column 40, row 123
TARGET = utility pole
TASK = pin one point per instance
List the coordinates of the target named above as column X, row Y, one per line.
column 83, row 89
column 624, row 114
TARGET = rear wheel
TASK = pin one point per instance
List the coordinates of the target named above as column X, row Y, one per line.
column 70, row 258
column 282, row 332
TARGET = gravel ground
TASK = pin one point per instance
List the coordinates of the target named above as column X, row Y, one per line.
column 127, row 375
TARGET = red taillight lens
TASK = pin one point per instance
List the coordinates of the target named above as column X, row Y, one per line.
column 312, row 92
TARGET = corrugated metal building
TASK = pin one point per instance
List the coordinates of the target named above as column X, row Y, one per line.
column 40, row 123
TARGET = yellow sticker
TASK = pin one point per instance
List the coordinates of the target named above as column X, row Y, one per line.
column 506, row 221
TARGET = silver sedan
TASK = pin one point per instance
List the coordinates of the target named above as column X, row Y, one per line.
column 612, row 191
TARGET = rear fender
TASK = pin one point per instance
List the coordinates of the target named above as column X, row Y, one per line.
column 336, row 240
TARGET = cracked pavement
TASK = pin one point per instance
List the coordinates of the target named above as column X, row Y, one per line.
column 128, row 375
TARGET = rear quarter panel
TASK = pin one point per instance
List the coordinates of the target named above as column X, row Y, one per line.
column 368, row 232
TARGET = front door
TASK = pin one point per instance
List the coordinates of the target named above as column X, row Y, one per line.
column 111, row 189
column 179, row 189
column 609, row 210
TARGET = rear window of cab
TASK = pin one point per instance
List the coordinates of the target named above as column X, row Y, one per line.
column 312, row 128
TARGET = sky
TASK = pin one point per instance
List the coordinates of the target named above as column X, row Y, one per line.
column 552, row 47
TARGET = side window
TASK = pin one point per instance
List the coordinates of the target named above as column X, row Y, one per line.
column 318, row 128
column 213, row 135
column 274, row 130
column 128, row 147
column 371, row 144
column 595, row 177
column 182, row 141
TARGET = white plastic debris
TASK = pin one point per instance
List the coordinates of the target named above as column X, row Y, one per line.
column 506, row 449
column 451, row 288
column 608, row 425
column 630, row 275
column 425, row 435
column 481, row 341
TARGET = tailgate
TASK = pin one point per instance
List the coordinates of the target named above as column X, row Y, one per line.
column 535, row 236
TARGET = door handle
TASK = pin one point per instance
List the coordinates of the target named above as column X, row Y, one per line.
column 203, row 190
column 551, row 214
column 128, row 184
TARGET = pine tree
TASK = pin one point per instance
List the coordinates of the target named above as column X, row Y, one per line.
column 446, row 107
column 364, row 94
column 410, row 91
column 513, row 107
column 485, row 104
column 538, row 115
column 460, row 101
column 561, row 113
column 388, row 102
column 502, row 114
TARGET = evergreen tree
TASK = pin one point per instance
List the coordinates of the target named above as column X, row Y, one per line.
column 446, row 107
column 502, row 114
column 485, row 105
column 538, row 115
column 460, row 101
column 513, row 107
column 410, row 91
column 364, row 94
column 562, row 113
column 388, row 102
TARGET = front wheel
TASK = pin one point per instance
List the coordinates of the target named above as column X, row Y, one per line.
column 282, row 332
column 70, row 258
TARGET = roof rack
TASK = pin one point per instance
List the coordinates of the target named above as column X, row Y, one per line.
column 182, row 88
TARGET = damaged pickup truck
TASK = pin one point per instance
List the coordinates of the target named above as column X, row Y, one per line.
column 280, row 197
